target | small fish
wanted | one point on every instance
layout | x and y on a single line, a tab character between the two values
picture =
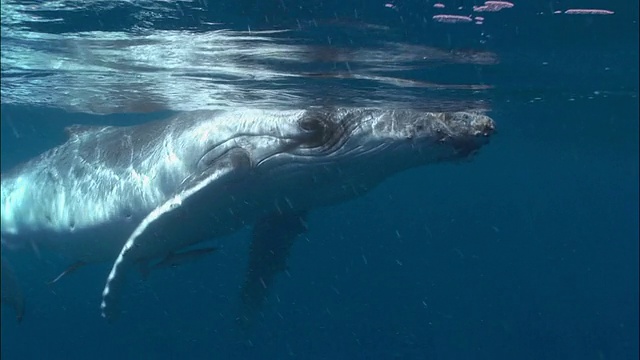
73	267
176	259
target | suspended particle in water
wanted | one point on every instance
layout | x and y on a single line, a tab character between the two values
493	6
588	12
499	4
452	19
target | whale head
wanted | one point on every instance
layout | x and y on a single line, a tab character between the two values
335	153
392	139
336	136
428	136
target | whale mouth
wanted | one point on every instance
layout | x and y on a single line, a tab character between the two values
481	135
484	126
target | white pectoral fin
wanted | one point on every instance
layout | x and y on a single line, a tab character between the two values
143	241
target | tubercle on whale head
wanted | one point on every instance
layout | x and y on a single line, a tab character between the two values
431	127
435	136
470	123
462	132
449	125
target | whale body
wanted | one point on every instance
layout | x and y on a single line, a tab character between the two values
131	195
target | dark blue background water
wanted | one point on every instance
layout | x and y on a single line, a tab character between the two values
530	251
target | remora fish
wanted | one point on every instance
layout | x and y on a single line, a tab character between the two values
140	193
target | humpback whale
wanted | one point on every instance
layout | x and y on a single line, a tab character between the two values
139	194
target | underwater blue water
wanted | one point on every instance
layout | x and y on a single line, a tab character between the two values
528	251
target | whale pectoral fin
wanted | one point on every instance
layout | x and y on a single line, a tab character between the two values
163	220
73	267
12	294
272	239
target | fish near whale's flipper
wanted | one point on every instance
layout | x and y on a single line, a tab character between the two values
272	239
152	237
73	267
12	294
175	259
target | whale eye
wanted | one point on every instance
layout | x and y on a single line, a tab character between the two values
316	130
312	124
